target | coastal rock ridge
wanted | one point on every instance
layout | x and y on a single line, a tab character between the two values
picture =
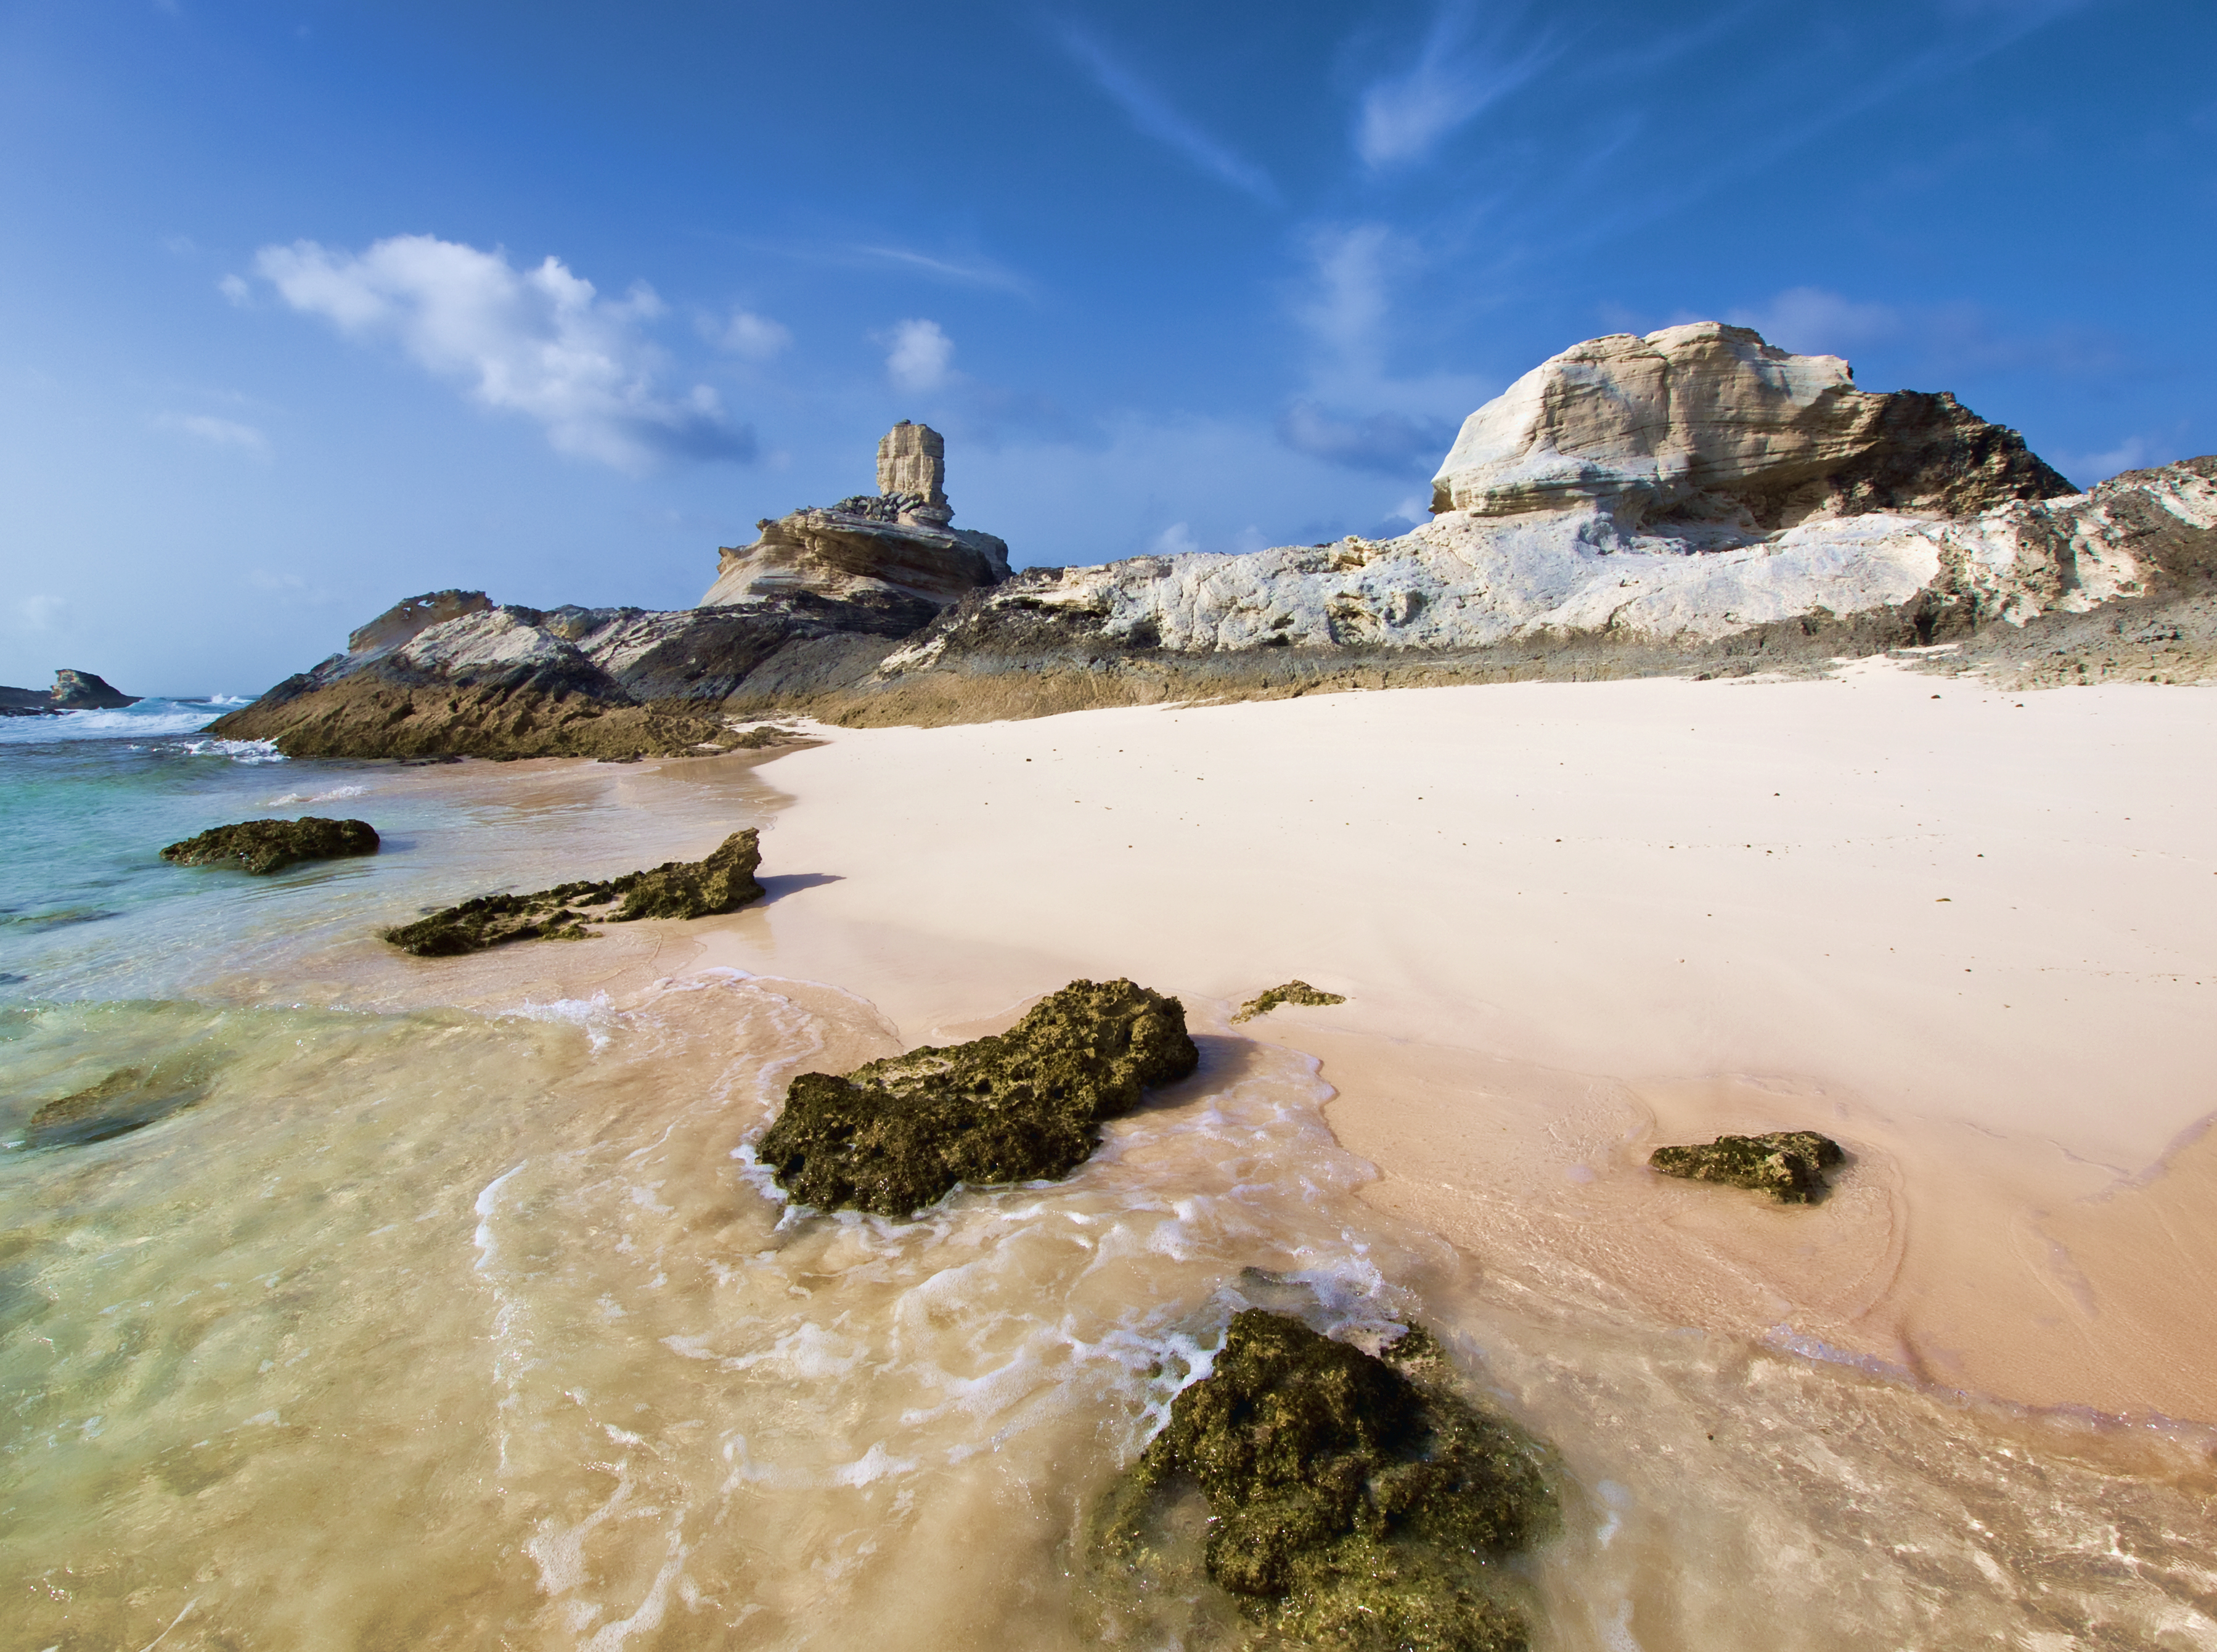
72	691
1695	501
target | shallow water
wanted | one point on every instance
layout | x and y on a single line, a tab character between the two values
480	1327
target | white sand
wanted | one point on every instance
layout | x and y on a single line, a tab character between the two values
1972	935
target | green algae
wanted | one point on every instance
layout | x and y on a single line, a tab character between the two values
127	1099
897	1135
266	846
1788	1165
1354	1501
723	882
1294	991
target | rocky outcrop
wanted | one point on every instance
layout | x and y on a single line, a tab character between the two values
1693	502
1355	1500
72	692
1708	422
1485	593
912	466
1788	1165
894	550
722	882
898	1134
265	846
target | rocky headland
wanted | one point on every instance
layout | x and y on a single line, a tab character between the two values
72	692
1694	502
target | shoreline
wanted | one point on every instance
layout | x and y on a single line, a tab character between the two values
1510	1051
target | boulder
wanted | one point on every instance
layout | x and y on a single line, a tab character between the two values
1355	1500
265	846
898	1134
722	882
1709	422
1788	1165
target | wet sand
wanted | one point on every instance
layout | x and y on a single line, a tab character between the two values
1971	934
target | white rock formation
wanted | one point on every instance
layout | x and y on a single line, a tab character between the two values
1469	581
1707	421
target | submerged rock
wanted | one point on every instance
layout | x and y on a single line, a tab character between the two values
128	1099
1788	1165
1294	991
722	882
1355	1501
898	1134
262	846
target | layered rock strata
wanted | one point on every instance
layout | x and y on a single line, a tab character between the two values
265	846
1706	423
1354	1501
722	880
898	1134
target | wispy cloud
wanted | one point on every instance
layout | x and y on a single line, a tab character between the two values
216	432
1358	413
918	355
541	342
1460	71
960	272
1150	111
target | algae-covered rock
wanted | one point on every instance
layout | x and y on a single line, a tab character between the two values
127	1099
1294	991
1355	1501
723	882
1788	1165
261	846
898	1134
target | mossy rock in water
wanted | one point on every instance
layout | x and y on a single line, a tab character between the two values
128	1099
1788	1165
260	847
724	882
1294	991
898	1134
1355	1501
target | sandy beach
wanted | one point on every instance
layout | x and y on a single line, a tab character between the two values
1967	932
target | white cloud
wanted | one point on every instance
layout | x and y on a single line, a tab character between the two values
2131	454
917	355
216	432
541	342
1454	80
40	613
1810	321
235	289
1151	112
756	337
1176	540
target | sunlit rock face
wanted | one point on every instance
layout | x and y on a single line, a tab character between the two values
1708	422
892	548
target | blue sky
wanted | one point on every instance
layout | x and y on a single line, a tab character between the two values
306	305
